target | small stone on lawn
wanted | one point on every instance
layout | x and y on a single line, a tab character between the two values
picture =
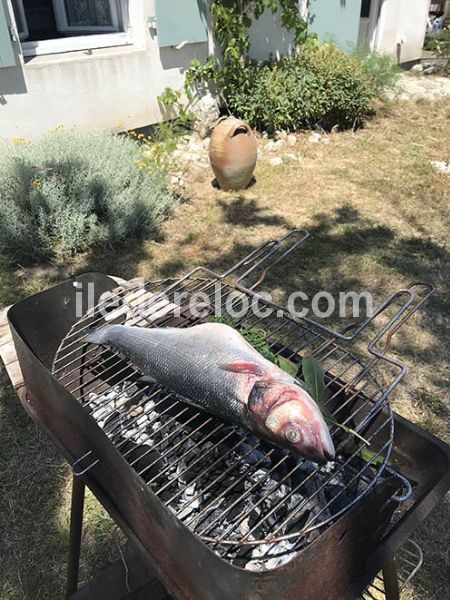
314	138
441	165
276	161
291	139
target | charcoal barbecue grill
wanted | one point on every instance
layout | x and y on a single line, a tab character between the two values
205	501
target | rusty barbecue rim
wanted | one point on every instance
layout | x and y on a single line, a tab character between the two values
356	398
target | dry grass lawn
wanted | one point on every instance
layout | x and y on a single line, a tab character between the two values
378	214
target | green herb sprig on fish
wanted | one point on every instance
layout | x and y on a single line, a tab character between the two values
315	380
257	337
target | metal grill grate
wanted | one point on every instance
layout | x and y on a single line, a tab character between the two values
253	503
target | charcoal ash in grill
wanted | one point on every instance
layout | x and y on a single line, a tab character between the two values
221	490
266	557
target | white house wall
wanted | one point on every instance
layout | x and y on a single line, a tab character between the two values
401	29
109	88
269	38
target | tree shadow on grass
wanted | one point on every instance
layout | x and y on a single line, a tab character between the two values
318	264
121	261
240	212
34	510
345	252
31	492
246	212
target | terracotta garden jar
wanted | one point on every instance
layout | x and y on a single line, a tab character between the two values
232	153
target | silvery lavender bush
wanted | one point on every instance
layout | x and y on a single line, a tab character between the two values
68	191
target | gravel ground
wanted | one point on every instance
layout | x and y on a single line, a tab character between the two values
411	87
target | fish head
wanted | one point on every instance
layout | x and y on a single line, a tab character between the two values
289	416
283	412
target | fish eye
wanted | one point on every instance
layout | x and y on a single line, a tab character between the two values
292	436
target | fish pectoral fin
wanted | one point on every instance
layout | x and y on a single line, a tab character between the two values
244	368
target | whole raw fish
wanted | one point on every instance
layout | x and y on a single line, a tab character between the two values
213	367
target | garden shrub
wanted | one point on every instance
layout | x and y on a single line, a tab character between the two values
439	43
380	70
68	191
320	85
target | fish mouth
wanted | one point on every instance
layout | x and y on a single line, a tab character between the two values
270	418
320	457
321	452
329	455
328	447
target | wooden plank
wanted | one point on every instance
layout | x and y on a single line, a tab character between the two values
15	374
8	352
5	334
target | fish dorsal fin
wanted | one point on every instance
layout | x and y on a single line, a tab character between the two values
243	368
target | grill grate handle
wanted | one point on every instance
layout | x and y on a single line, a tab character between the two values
77	468
269	250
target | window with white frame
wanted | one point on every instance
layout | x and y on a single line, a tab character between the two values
19	16
74	16
47	26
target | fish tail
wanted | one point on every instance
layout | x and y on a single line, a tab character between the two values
101	336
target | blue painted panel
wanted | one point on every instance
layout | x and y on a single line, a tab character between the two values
7	58
335	19
180	21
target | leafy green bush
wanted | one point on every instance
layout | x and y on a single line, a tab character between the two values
316	85
440	43
68	191
380	70
321	85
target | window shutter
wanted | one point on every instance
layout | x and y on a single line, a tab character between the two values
7	58
179	21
